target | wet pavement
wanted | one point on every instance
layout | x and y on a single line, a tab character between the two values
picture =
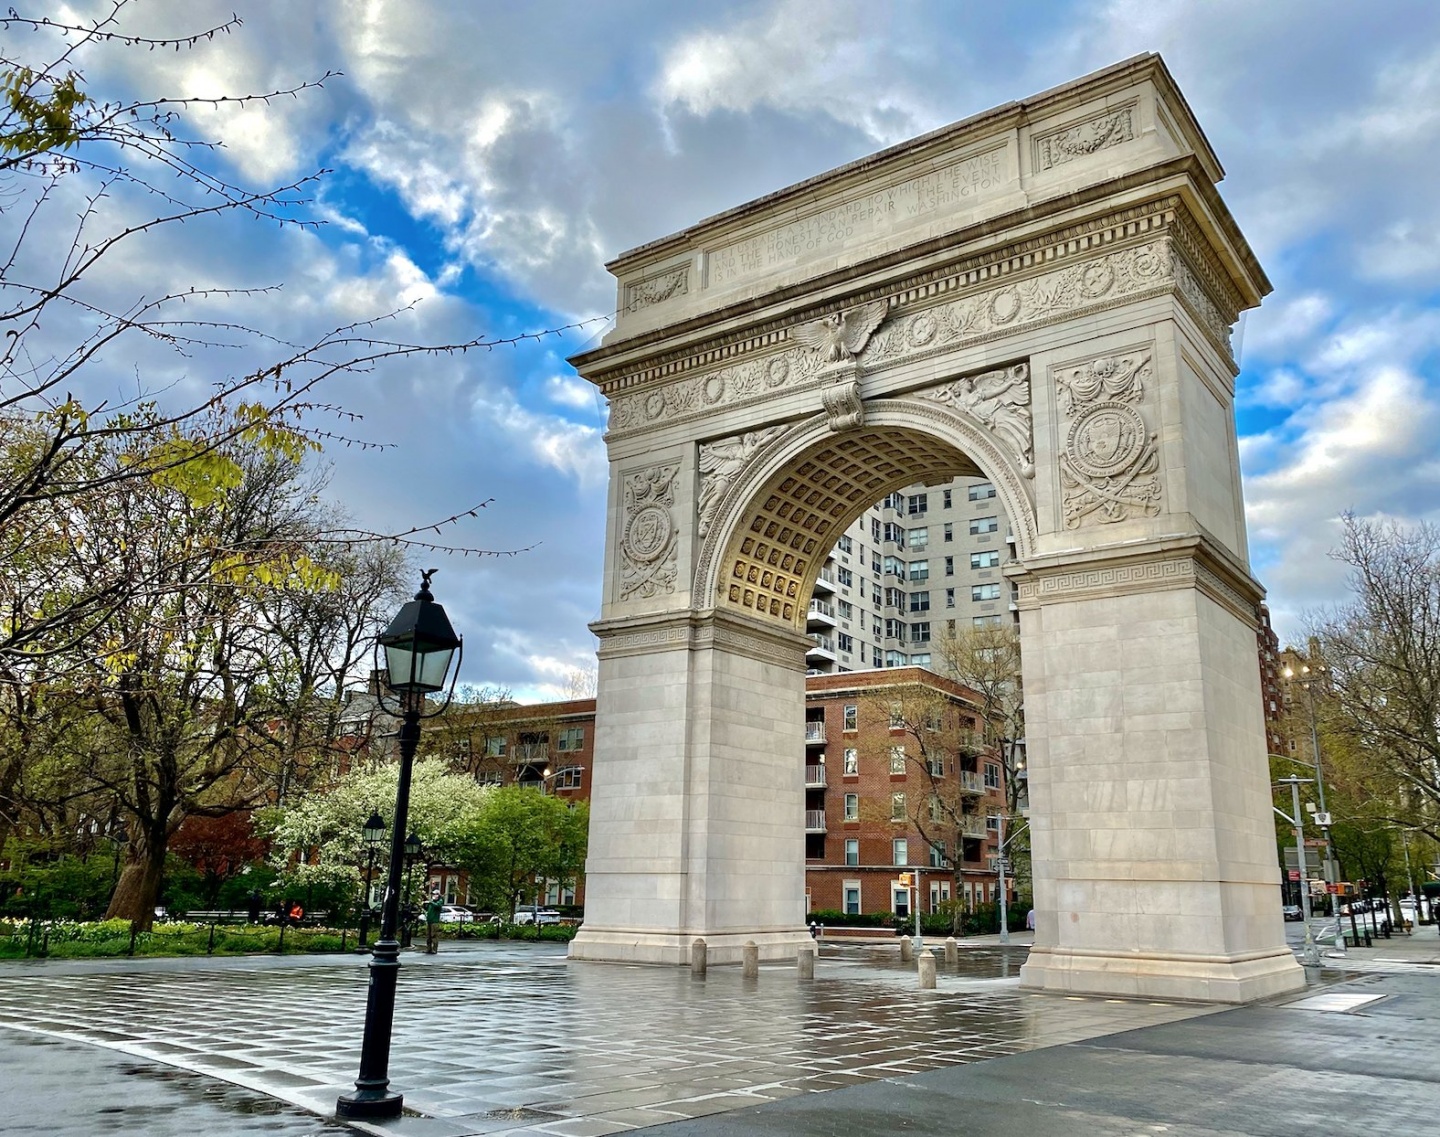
497	1038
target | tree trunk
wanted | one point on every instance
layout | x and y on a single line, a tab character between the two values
138	889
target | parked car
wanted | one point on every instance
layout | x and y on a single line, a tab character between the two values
529	914
1293	912
456	914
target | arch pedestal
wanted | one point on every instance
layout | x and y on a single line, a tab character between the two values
1042	295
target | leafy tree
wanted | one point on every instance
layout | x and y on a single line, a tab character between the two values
219	849
987	660
1380	715
523	836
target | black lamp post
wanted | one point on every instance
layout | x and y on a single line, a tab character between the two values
413	849
373	836
419	644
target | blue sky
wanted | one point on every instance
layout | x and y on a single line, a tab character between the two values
488	158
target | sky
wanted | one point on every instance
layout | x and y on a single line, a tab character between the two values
486	159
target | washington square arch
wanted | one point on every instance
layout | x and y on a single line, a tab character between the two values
1043	295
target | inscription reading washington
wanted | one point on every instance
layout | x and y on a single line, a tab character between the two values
957	184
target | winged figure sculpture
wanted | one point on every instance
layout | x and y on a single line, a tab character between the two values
842	335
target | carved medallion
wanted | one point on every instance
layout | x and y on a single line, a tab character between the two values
1109	468
650	537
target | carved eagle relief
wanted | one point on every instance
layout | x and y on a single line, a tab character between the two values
842	335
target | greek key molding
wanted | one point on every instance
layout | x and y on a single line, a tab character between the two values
1109	462
1112	128
650	539
1189	567
701	631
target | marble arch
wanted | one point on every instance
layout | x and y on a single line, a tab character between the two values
1042	293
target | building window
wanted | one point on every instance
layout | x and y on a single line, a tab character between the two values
982	491
949	531
897	806
992	776
852	717
919	570
852	807
992	822
894	598
990	558
847	642
875	563
919	602
847	610
990	621
900	851
949	598
984	524
900	902
852	898
495	747
918	539
895	534
920	632
845	577
874	528
895	567
897	759
949	566
569	778
922	659
852	760
852	850
895	501
984	592
844	544
572	738
877	660
917	503
894	629
947	496
896	659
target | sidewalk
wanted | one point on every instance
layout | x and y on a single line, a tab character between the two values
514	1040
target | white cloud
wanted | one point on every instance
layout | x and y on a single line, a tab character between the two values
572	391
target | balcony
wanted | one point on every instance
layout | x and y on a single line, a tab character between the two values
821	615
825	582
814	821
815	732
530	754
971	782
973	827
822	647
815	776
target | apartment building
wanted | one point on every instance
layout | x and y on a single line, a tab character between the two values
896	777
924	559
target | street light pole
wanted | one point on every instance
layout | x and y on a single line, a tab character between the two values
1311	952
418	647
373	835
1309	685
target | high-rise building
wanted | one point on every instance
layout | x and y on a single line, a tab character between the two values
924	560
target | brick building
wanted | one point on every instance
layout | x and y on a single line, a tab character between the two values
868	739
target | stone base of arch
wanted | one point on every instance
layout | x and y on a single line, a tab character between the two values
594	945
1196	978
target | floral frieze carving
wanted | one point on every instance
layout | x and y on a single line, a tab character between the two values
650	538
721	463
999	400
983	314
657	289
1109	129
1109	466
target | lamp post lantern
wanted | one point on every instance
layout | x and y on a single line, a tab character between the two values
418	646
372	835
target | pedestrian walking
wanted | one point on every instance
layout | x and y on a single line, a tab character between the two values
432	923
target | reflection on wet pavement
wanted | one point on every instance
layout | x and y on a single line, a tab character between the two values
515	1039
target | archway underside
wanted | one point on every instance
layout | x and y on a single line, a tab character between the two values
775	554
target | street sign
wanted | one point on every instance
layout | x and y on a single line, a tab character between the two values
1294	874
1322	820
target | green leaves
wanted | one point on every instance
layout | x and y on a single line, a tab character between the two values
42	112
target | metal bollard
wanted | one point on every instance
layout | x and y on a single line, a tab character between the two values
907	950
927	970
952	952
697	956
805	962
750	960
